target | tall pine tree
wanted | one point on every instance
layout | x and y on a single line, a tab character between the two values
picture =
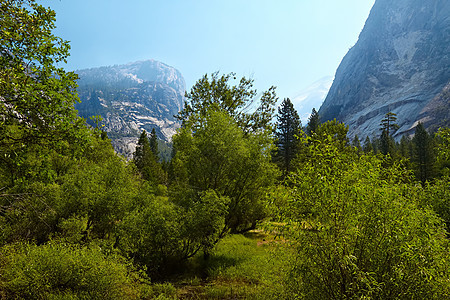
146	161
288	129
313	122
423	157
154	143
388	127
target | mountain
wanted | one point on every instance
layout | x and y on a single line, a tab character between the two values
400	64
311	97
131	98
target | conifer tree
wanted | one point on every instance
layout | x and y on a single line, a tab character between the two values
146	161
388	127
356	143
287	132
388	123
154	144
423	157
367	148
313	122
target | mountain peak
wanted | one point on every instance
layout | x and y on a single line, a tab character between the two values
132	97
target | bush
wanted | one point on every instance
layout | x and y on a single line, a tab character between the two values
360	232
63	271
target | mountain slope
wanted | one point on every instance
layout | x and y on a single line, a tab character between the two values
312	97
400	63
131	98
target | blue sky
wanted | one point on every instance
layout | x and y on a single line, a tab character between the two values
286	43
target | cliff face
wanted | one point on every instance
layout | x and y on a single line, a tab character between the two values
131	98
401	63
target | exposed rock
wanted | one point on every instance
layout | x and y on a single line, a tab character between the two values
401	63
312	97
131	98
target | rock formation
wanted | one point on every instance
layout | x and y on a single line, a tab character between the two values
400	64
131	98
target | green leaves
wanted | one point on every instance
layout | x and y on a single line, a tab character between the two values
364	232
238	101
218	156
59	270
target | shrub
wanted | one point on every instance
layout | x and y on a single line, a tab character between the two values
63	271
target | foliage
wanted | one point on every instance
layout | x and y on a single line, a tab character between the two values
313	122
443	151
36	97
360	232
388	124
218	156
288	130
59	270
146	159
159	234
423	156
154	144
239	101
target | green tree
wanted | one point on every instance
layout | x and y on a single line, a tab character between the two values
147	162
313	122
154	143
367	148
388	123
356	143
359	231
219	156
443	151
288	131
239	101
387	143
36	97
423	157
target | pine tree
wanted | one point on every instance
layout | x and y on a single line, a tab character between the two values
356	143
146	161
313	122
154	143
388	127
367	148
423	157
287	133
388	123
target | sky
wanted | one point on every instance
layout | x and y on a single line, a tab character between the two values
286	43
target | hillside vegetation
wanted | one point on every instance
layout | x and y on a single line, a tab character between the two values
247	208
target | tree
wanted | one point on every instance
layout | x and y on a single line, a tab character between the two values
220	157
387	143
146	161
388	127
367	148
313	122
356	143
423	157
154	143
358	229
238	101
388	123
36	97
288	131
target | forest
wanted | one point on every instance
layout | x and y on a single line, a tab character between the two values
251	205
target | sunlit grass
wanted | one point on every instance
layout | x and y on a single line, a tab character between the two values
244	266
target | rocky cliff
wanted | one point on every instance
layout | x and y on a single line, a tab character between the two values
401	63
131	98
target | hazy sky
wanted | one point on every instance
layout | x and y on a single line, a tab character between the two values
286	43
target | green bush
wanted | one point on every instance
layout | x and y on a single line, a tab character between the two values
359	231
63	271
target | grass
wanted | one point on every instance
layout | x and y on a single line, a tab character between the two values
247	266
